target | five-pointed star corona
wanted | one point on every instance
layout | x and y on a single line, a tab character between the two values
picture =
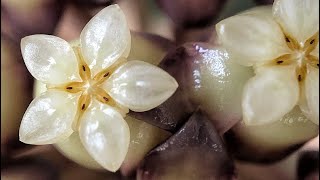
90	88
282	45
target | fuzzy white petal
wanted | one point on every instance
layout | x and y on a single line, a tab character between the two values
49	118
105	39
105	135
269	95
312	93
299	18
140	86
50	59
251	38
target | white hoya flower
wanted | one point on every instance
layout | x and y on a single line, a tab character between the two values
90	88
282	45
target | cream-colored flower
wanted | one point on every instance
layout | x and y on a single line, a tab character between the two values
90	88
282	45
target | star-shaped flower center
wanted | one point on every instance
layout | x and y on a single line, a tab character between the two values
281	43
300	55
90	88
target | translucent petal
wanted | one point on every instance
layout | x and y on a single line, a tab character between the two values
315	52
303	105
105	39
312	93
105	135
252	38
299	18
140	86
269	95
49	118
38	88
73	149
50	59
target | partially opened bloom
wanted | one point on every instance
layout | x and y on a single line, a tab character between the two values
282	45
90	88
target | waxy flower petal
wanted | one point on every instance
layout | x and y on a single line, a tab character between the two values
50	59
105	135
105	39
269	95
298	18
251	38
140	86
312	93
286	37
90	88
49	118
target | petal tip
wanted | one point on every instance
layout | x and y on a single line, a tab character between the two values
23	43
23	40
23	135
112	168
105	135
114	7
26	38
174	85
22	138
220	28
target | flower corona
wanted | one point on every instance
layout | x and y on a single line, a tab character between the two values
282	45
90	88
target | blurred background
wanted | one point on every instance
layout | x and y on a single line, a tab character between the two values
179	21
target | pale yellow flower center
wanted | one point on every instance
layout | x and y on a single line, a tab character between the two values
89	87
300	55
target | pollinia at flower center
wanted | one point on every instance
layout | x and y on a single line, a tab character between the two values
90	86
300	55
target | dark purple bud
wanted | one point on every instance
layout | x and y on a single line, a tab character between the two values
206	78
196	151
